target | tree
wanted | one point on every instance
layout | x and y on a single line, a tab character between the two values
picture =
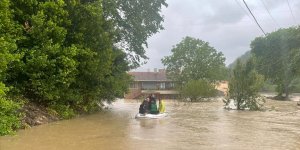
194	59
134	22
244	58
9	31
47	66
71	56
244	85
197	90
278	54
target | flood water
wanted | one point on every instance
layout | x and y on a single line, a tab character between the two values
188	127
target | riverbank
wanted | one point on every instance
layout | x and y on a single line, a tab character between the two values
37	115
34	114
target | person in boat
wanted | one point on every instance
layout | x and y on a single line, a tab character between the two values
161	106
153	106
144	107
152	98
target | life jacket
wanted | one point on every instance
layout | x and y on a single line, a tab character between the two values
162	107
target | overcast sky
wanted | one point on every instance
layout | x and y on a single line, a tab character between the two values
225	24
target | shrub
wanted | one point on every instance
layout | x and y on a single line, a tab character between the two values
244	85
10	117
197	90
64	111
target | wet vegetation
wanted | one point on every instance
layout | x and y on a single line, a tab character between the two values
195	67
244	85
278	56
70	56
273	60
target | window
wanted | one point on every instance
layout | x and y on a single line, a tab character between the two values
133	85
162	85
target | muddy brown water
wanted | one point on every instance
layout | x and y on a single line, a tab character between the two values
188	127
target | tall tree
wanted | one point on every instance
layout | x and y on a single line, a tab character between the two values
134	22
71	54
9	34
75	53
194	59
47	67
278	56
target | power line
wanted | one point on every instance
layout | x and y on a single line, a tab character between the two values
243	9
291	11
254	17
269	13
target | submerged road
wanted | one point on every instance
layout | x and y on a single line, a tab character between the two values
188	127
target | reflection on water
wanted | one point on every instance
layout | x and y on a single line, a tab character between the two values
198	126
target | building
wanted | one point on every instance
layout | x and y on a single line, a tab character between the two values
155	82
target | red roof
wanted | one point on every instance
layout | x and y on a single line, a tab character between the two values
149	76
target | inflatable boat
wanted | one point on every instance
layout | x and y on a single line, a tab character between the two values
151	116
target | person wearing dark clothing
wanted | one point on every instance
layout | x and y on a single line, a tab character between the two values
152	98
144	107
141	109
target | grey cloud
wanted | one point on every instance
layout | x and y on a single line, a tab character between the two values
224	12
222	23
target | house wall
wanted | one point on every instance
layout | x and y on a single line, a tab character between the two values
134	91
136	88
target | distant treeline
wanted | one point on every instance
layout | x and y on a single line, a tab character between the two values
277	57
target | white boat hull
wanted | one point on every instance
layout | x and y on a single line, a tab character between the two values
151	116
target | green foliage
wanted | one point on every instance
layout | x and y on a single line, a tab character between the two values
268	87
63	111
134	21
197	90
71	55
8	36
295	85
68	57
194	59
279	56
48	67
244	58
244	85
10	118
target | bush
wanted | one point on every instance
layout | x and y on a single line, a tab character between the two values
197	90
244	85
295	86
64	111
10	117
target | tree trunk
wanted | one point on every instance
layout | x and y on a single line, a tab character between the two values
193	99
286	91
280	90
238	104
